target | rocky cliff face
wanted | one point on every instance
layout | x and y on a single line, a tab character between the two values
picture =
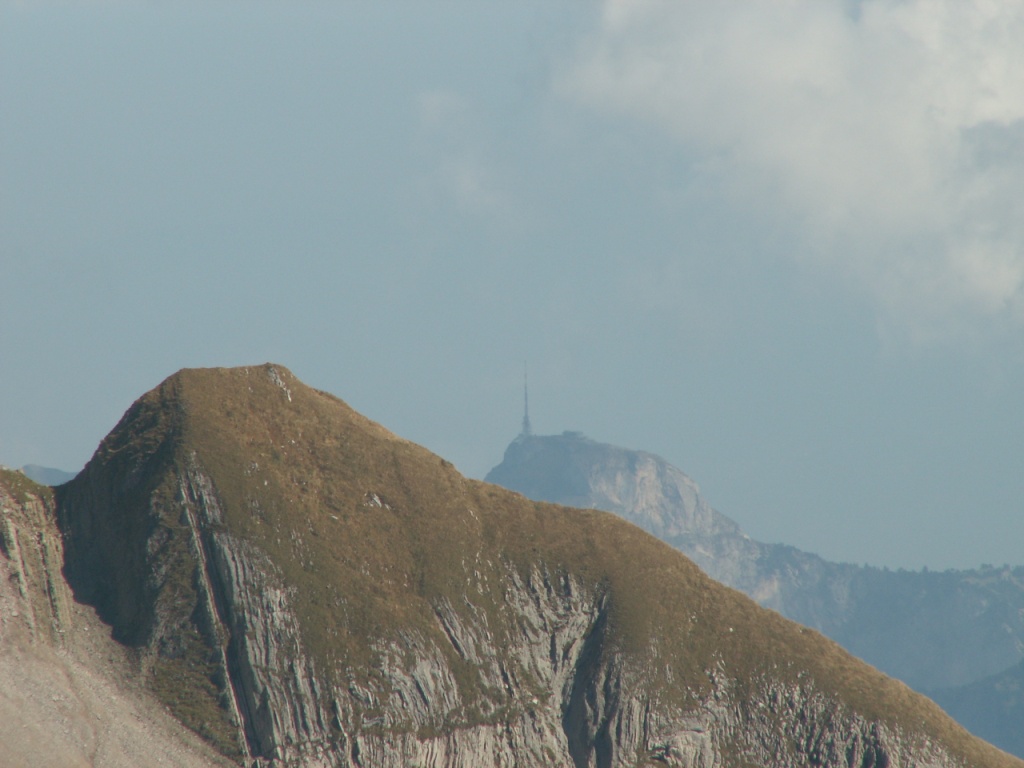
305	589
36	600
66	696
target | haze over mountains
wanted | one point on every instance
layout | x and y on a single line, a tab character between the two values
435	195
303	588
958	635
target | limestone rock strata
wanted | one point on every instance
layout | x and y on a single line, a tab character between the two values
565	700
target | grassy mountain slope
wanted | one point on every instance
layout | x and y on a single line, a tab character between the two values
258	542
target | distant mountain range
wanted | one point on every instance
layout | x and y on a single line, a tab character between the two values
993	708
301	588
958	635
47	475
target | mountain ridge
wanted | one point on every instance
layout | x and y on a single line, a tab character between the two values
303	588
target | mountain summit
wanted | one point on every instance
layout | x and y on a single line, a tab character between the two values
304	588
576	471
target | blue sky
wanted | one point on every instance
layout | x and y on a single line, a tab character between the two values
780	244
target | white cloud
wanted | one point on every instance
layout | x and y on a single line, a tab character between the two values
891	130
462	173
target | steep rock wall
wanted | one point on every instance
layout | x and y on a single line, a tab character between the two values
36	602
558	695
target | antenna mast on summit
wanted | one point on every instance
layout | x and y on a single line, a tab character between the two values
526	406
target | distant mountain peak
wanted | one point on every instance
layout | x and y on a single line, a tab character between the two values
933	630
47	475
574	470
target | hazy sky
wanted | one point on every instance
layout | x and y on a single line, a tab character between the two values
780	244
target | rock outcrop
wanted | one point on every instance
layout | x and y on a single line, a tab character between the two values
303	588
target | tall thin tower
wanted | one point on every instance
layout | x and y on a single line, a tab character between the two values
526	406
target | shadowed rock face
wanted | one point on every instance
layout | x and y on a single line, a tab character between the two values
303	588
